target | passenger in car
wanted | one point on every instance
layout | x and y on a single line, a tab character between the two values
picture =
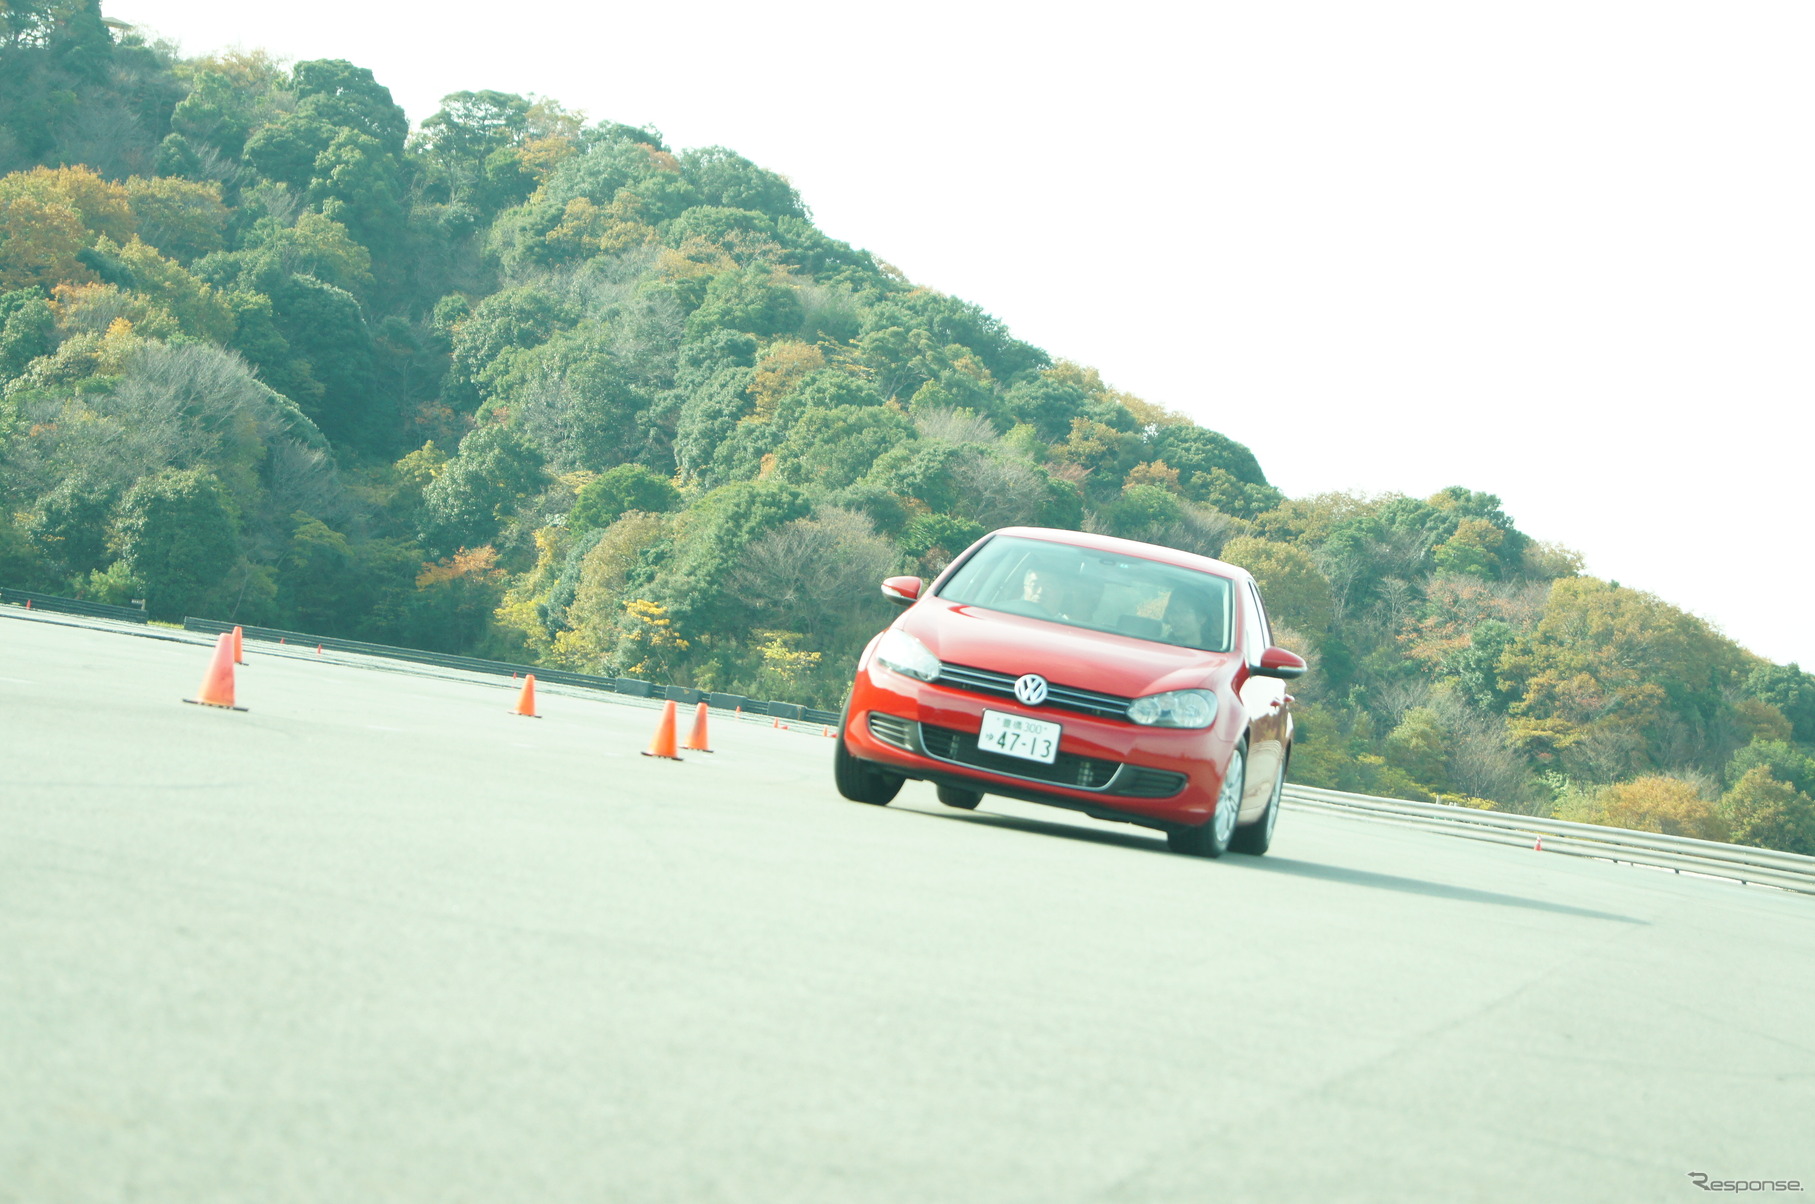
1187	619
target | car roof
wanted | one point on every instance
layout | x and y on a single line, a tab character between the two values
1128	547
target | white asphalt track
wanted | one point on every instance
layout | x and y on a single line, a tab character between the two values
376	939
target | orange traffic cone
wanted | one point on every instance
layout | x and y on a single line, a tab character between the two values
1539	846
239	645
663	744
696	741
217	685
526	701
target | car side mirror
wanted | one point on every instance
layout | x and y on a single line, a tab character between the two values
902	591
1277	662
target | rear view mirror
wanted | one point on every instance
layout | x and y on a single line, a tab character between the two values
902	591
1277	662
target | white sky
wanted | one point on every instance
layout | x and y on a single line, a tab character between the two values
1562	252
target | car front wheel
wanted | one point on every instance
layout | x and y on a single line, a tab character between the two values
1212	839
860	781
1256	838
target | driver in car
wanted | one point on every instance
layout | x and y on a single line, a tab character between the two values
1040	593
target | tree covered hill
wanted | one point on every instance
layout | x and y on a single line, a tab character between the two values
525	385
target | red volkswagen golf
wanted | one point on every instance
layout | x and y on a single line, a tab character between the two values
1126	680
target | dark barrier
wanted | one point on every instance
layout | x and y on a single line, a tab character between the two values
629	686
73	606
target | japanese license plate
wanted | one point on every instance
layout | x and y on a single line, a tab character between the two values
1019	736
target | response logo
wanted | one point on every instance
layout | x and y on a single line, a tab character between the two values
1707	1183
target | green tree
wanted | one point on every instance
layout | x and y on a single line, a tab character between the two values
919	469
315	576
614	492
358	182
932	541
1222	489
1475	548
1296	594
477	489
1047	405
286	149
1194	450
731	229
942	322
749	299
341	95
832	448
512	318
175	534
691	586
1141	512
182	219
1763	811
713	404
726	179
229	97
470	145
1503	553
1476	667
68	525
324	327
1419	746
1785	687
1105	455
20	564
1784	761
27	327
572	398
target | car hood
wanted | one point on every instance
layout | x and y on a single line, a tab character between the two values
1071	656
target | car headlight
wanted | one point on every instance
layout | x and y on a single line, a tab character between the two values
906	655
1175	708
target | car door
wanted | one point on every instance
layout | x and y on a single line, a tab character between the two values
1264	698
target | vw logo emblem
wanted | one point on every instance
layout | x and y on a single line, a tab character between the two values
1030	688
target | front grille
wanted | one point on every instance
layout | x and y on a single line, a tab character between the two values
1068	769
892	729
1067	698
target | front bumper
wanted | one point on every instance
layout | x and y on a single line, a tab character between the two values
1160	777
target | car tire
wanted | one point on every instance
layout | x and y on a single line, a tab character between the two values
1211	839
1256	838
860	781
957	796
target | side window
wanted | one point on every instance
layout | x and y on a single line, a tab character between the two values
1255	633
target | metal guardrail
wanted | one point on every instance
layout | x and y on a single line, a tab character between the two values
1682	854
629	686
72	606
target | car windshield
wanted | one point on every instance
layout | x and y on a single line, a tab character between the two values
1102	591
